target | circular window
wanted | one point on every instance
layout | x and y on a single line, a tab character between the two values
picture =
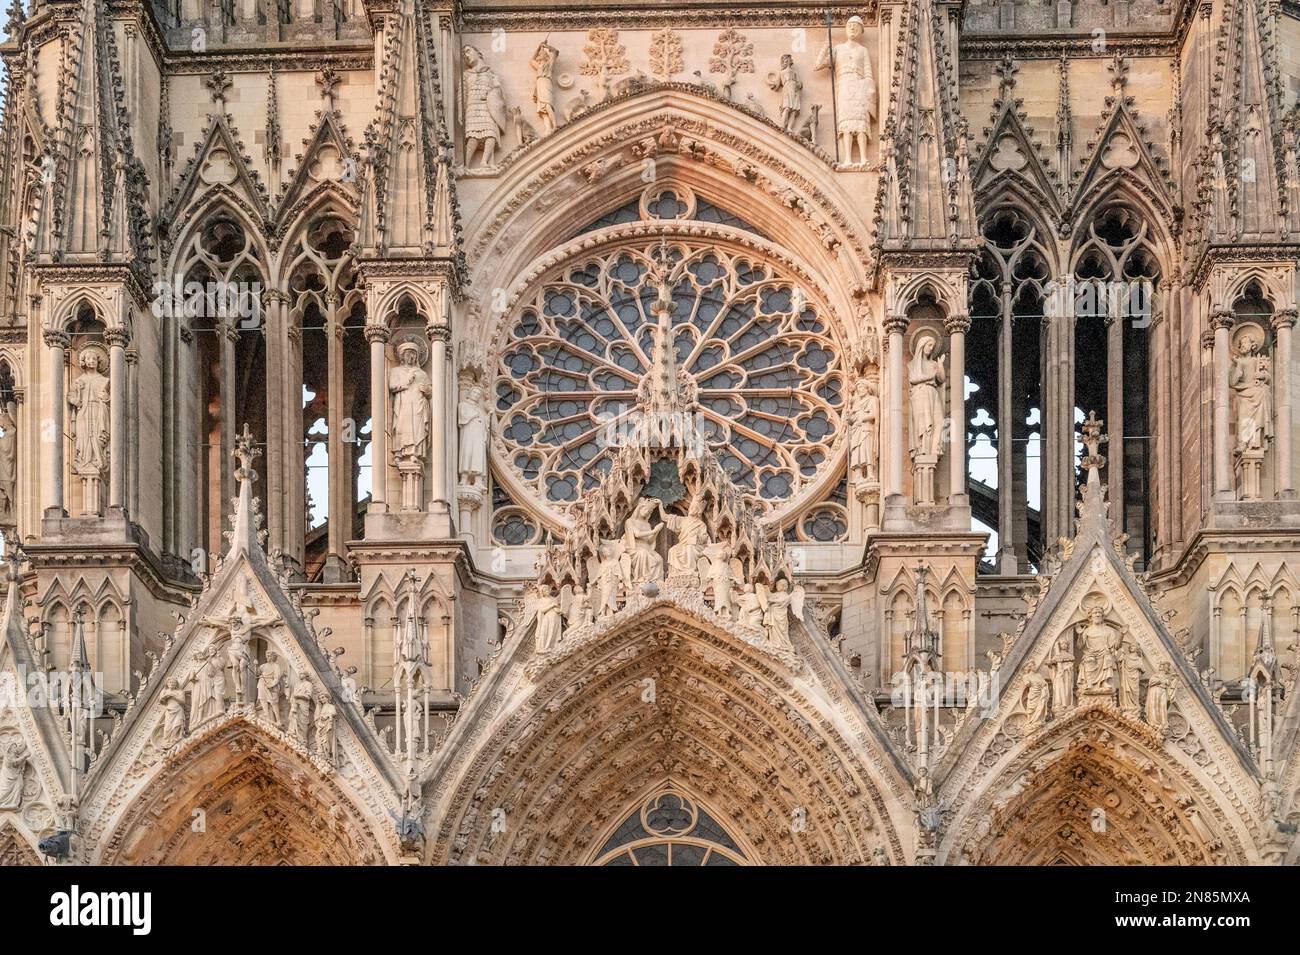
765	362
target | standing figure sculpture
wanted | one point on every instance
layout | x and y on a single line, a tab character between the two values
471	419
925	376
543	64
855	90
1159	694
410	389
8	466
484	108
864	428
787	82
550	622
1130	676
300	708
269	685
88	424
610	577
1251	380
750	605
721	578
1061	663
172	699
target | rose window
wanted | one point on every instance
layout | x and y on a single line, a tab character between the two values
759	348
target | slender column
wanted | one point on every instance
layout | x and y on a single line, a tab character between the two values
1158	418
957	326
439	337
277	436
133	430
1174	316
1115	408
377	336
1221	323
1283	322
57	342
895	325
228	330
117	339
1007	563
339	511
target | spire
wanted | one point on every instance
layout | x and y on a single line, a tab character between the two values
667	394
922	643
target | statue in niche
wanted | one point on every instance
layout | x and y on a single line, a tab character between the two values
550	622
721	575
12	766
610	576
786	81
543	64
1159	694
925	376
300	708
1100	643
471	419
1251	380
1130	677
864	431
484	111
88	421
1061	663
270	682
579	609
410	389
778	604
8	466
855	90
642	561
174	727
692	532
1034	700
239	654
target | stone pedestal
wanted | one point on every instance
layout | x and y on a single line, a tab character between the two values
412	475
923	478
1249	467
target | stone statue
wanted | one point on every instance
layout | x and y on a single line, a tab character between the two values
208	698
692	537
864	429
855	90
750	605
172	699
484	107
925	377
1033	701
326	742
270	681
300	708
1159	694
579	609
1130	676
1061	663
239	654
550	622
410	389
12	766
1252	382
1100	642
721	577
641	560
776	613
471	418
8	466
787	82
611	581
88	422
543	64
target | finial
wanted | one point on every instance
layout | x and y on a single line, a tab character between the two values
1093	438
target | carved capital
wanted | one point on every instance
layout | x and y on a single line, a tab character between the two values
1284	318
438	332
56	338
1222	318
377	333
957	324
895	324
117	337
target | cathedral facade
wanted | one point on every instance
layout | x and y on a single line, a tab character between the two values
522	432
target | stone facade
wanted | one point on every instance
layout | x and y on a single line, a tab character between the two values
597	434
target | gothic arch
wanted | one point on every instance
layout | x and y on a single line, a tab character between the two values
730	157
1096	788
15	849
581	740
235	795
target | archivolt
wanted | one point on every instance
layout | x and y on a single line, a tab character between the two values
236	796
1099	789
666	700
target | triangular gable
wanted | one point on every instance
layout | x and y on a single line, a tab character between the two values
327	164
1011	159
245	581
219	167
1120	151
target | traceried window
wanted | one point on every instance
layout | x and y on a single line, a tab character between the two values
760	349
669	829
